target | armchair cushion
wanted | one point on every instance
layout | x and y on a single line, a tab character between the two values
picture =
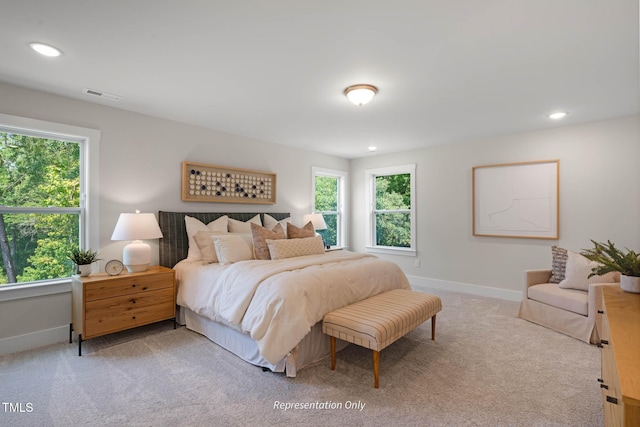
566	299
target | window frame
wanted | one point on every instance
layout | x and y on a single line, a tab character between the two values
89	140
371	175
341	213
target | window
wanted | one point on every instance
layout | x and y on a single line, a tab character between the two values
329	196
391	204
44	200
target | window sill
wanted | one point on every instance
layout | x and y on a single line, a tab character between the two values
389	250
34	289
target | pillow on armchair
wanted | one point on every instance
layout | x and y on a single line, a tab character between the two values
577	271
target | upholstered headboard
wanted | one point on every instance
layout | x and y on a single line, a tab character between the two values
174	244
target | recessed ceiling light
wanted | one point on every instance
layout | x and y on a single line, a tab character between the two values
558	115
360	94
372	148
45	49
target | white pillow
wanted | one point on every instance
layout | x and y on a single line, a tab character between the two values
193	226
236	226
270	223
232	248
281	249
577	271
205	244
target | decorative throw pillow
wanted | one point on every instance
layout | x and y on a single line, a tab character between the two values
232	248
236	226
260	234
281	249
577	271
270	223
558	264
294	232
194	225
206	246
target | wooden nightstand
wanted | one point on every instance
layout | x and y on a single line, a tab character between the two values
104	304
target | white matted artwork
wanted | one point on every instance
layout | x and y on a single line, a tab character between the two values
517	200
209	183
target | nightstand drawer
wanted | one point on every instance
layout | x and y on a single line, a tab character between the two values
126	286
114	314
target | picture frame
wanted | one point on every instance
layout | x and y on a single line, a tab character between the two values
520	200
203	182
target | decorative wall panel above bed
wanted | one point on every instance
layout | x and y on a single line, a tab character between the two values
174	245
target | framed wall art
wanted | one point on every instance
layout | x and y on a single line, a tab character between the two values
219	184
517	200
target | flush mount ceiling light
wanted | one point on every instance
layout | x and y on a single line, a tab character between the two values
372	148
45	49
360	94
559	115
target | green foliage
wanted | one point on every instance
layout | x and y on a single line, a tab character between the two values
38	172
327	202
83	256
393	192
612	259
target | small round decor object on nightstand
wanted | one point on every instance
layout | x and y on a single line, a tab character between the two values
113	267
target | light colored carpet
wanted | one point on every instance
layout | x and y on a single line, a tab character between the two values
486	368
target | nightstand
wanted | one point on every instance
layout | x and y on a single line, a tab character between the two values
104	304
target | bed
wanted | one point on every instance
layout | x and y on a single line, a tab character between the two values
268	312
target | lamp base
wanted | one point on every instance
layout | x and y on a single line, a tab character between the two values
136	256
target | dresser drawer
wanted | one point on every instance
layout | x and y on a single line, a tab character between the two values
126	286
118	313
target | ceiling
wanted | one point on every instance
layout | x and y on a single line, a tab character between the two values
447	71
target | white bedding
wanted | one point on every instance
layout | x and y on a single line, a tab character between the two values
277	302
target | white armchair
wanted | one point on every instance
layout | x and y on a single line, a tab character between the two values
569	311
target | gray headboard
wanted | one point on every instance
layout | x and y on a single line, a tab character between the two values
174	244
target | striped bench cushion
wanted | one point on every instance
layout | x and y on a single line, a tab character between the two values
379	321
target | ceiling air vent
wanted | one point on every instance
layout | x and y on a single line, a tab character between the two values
100	94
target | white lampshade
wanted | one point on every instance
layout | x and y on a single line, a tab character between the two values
136	256
317	220
360	94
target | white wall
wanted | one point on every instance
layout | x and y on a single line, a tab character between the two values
599	199
140	167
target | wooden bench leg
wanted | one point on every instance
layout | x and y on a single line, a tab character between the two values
433	328
376	368
333	353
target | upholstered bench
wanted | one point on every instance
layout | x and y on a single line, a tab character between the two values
379	321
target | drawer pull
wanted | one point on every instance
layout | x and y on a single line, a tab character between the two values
600	380
144	289
133	300
604	386
605	342
612	400
600	312
134	317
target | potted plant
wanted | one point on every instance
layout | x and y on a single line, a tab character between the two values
610	258
83	259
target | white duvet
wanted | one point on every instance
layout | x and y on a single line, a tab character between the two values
277	302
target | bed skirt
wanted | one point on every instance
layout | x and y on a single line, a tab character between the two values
313	347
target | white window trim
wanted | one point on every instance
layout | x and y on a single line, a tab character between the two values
89	234
342	198
370	175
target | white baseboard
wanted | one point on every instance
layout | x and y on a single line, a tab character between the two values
424	284
34	340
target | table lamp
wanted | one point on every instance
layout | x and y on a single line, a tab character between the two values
136	256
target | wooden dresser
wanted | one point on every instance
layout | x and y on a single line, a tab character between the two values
104	304
620	379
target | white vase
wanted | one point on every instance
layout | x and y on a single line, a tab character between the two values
630	284
84	269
